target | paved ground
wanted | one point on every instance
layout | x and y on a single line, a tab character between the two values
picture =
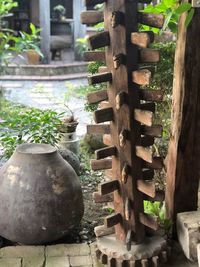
50	95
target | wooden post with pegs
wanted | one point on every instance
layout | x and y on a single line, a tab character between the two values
129	131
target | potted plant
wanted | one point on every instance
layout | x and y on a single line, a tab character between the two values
67	131
30	42
59	12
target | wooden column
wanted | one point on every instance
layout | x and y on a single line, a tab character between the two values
183	167
44	7
79	29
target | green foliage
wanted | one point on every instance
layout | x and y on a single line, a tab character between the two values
5	8
172	10
158	210
81	46
22	125
30	41
60	9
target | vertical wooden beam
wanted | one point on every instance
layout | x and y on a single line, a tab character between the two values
120	36
44	7
183	167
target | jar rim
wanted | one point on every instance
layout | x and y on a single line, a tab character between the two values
35	149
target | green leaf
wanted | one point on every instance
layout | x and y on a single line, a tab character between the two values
189	17
183	8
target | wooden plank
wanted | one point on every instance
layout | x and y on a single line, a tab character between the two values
147	174
90	3
157	163
109	174
121	99
98	198
152	20
103	69
150	106
94	56
100	78
127	210
103	115
118	60
102	164
108	187
141	77
97	96
155	130
107	140
147	187
112	220
104	259
128	240
149	221
144	263
99	40
155	261
126	171
148	55
98	129
160	196
142	39
147	141
91	17
144	153
106	152
102	230
144	117
151	95
104	104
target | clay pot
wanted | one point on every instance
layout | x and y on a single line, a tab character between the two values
33	57
41	197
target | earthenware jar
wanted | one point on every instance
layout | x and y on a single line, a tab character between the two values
41	197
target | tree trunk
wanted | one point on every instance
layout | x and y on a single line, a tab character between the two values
183	170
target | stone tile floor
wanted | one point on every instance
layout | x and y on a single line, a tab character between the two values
67	255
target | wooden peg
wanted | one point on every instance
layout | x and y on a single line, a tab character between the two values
147	141
141	77
127	211
147	174
152	20
107	140
117	19
155	261
108	187
98	129
120	100
105	152
97	96
119	60
98	198
155	130
148	55
103	69
151	95
103	231
112	262
144	117
160	196
91	17
90	3
144	153
102	164
147	187
149	221
123	137
157	163
94	56
142	39
128	240
150	106
144	263
99	40
125	173
103	115
113	220
100	78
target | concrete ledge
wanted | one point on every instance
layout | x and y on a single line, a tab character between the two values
188	230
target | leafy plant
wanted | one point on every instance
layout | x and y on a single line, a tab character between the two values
5	10
81	46
30	41
29	126
171	9
60	9
158	210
